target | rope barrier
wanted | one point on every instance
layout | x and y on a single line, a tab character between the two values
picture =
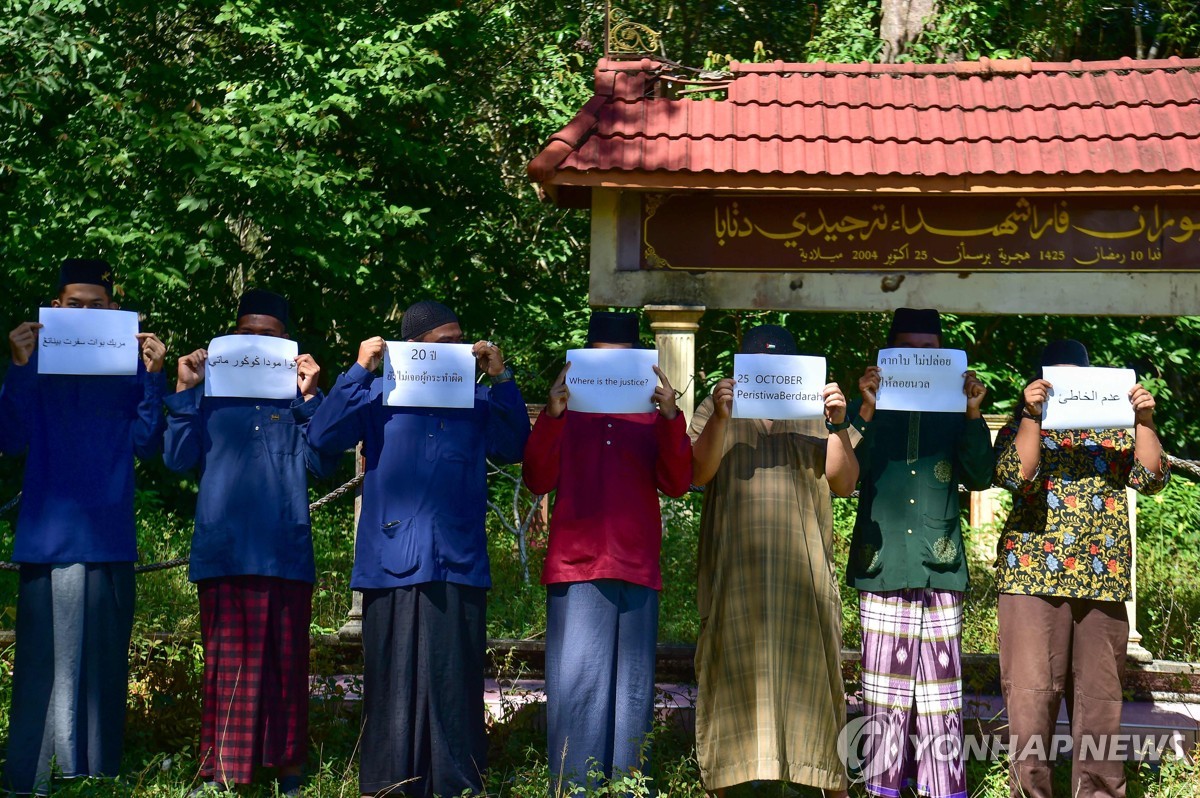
1190	467
334	494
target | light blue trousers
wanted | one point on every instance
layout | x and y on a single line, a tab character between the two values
601	639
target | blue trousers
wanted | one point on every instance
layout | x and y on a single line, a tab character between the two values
601	638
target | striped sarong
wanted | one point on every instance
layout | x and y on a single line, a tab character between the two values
911	660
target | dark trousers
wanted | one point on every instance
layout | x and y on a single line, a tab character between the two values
71	672
423	713
1053	648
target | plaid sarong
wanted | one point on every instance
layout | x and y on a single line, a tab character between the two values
911	659
255	634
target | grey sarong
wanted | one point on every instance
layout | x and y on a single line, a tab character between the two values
71	674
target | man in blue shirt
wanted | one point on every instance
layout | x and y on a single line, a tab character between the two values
421	560
76	543
252	557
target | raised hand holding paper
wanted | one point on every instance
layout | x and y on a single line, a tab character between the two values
87	341
612	380
925	380
251	366
428	375
778	386
1088	398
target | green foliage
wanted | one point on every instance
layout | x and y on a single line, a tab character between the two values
849	33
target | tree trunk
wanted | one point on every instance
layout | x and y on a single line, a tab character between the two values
901	23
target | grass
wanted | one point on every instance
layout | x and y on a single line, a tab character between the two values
165	670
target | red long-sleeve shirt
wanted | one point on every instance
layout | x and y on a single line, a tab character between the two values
608	470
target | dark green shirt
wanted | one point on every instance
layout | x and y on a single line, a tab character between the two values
907	533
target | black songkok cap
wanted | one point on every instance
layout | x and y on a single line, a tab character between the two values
423	316
91	272
257	302
608	327
923	321
769	339
1065	352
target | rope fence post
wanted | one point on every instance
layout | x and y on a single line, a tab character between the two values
351	631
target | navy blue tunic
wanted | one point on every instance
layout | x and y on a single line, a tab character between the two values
252	511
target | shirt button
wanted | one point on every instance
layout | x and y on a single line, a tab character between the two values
914	473
912	501
257	407
610	426
609	443
256	429
910	531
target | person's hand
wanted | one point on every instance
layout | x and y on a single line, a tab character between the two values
370	353
835	403
21	342
307	372
664	396
975	391
556	404
868	386
190	371
1035	397
723	398
1143	406
488	358
154	352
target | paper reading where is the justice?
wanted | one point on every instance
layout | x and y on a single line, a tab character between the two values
87	341
612	380
1088	398
925	380
251	366
428	375
778	386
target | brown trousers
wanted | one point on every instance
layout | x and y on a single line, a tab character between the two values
1053	648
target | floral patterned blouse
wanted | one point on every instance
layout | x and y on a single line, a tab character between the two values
1068	532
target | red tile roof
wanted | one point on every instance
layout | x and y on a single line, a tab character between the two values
800	121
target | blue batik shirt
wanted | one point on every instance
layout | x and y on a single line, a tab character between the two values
252	454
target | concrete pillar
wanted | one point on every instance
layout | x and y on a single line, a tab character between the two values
1135	651
351	630
985	504
675	329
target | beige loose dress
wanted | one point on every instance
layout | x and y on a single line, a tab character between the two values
768	661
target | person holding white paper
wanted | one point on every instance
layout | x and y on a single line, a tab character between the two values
602	572
768	661
421	559
75	542
908	562
1063	572
252	556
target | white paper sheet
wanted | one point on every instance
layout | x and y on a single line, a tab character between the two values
778	386
1088	398
428	375
926	380
612	380
87	341
251	366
